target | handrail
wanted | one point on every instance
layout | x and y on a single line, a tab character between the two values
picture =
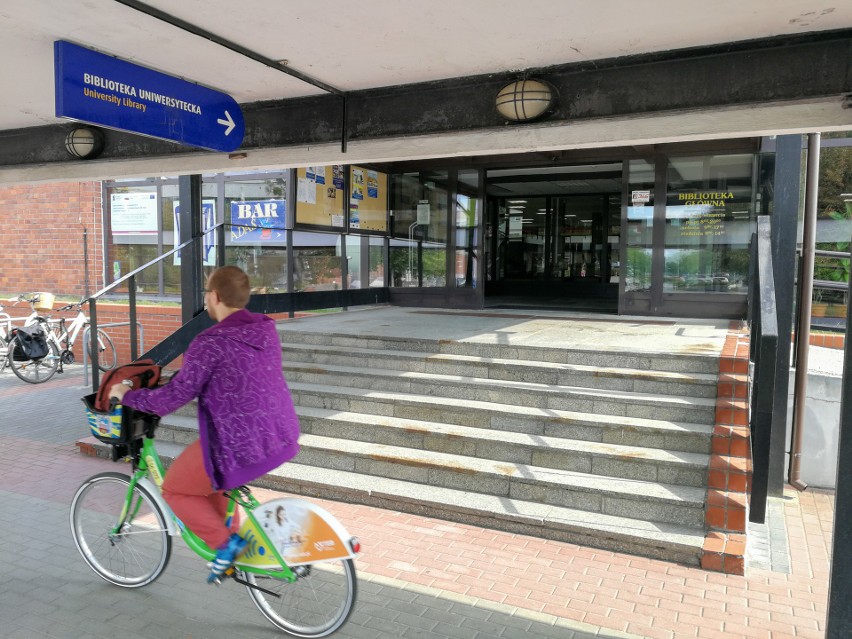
830	284
130	278
764	343
172	347
138	270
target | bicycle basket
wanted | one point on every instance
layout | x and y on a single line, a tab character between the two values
120	425
45	302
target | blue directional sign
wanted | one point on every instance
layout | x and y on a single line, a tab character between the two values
99	89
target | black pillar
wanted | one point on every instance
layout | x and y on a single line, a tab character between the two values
839	622
785	216
191	272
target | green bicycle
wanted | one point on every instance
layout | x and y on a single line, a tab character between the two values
298	565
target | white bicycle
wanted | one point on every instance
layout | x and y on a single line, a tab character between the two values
64	337
13	351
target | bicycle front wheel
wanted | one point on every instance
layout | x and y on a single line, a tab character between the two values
106	352
34	371
123	537
315	605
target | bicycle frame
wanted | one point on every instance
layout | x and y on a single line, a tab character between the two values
150	465
69	334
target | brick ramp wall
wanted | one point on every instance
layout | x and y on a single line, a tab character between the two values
726	510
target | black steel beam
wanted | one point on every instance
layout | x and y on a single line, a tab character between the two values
777	70
191	270
785	215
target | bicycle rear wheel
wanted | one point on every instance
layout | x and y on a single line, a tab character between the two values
131	551
106	352
34	371
315	605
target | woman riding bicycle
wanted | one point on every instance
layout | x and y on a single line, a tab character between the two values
246	420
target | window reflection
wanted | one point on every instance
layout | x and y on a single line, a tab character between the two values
418	254
467	228
640	222
708	223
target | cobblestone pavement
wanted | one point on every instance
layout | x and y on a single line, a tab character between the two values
419	577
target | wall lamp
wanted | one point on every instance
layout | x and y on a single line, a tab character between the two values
84	143
525	100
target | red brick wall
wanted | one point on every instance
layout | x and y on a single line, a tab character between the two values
41	240
158	322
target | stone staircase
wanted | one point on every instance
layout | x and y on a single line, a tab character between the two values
609	449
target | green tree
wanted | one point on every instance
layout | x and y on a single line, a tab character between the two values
833	202
835	180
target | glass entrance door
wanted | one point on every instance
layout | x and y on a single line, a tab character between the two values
586	238
553	235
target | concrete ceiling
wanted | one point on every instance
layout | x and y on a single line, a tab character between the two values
353	46
371	43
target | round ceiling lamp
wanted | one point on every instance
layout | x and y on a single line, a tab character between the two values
84	142
524	100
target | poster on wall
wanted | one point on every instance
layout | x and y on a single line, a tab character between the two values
357	184
337	176
258	221
368	200
208	221
133	213
317	200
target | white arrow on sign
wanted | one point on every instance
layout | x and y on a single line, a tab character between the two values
228	122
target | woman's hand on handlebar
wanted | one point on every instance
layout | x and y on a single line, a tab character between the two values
118	390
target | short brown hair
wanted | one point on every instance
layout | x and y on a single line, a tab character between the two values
231	284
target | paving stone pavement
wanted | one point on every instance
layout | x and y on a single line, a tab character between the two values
418	577
767	546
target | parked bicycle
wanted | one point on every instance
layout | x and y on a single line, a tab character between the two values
16	345
64	338
298	566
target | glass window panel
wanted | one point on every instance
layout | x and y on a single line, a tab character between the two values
640	221
709	213
579	248
468	217
833	230
317	261
419	204
353	259
266	266
129	257
377	262
371	273
423	194
523	223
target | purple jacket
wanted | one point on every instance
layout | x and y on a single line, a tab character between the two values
246	419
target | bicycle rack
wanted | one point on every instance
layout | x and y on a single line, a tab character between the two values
86	342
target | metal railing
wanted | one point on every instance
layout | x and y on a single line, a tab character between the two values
174	345
87	363
130	281
763	347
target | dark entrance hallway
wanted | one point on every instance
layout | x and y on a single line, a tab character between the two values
552	237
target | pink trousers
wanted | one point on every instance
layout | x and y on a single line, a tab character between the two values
188	491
